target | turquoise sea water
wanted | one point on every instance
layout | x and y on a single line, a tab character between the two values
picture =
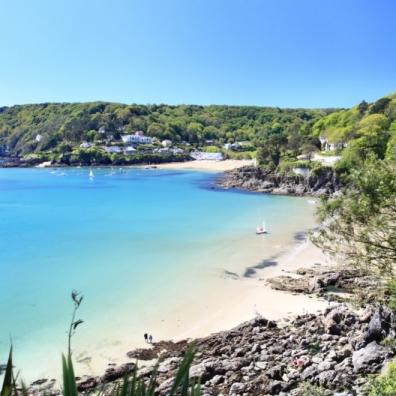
132	240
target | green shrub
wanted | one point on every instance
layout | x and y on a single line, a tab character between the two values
391	293
385	384
308	389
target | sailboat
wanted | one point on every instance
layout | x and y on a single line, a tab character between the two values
261	230
91	174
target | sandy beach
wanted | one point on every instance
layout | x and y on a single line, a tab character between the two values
229	301
215	166
241	298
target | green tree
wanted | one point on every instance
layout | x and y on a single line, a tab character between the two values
360	223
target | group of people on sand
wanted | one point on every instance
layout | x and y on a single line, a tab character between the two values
148	338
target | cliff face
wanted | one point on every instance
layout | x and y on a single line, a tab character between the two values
321	182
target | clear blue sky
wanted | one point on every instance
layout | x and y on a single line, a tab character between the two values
294	53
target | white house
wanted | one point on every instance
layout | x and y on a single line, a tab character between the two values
38	137
200	156
166	143
326	160
331	146
137	138
113	149
102	130
85	145
177	150
305	172
129	150
232	146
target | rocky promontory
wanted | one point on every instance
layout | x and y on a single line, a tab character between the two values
322	181
334	351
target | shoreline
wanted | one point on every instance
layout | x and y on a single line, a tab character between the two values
230	300
237	300
206	165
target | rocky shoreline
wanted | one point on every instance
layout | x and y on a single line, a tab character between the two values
250	178
335	350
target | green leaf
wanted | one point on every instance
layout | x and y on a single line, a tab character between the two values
8	383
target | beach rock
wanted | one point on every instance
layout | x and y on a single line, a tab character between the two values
237	388
290	284
370	358
379	325
87	383
143	354
326	377
40	381
113	373
323	182
332	321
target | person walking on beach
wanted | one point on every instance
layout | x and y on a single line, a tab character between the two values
146	337
150	339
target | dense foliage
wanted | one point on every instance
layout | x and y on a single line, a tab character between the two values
360	223
366	129
385	384
62	127
277	135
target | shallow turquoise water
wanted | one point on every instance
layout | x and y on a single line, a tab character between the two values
130	240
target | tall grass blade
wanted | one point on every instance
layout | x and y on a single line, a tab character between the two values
8	384
69	380
183	371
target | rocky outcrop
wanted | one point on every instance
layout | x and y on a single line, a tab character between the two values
370	358
263	357
320	182
321	279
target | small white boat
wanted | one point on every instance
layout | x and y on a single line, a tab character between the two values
261	230
91	174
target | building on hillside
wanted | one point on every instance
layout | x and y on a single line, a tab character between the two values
86	145
200	156
166	143
232	146
4	150
38	138
129	150
113	149
102	130
137	138
301	171
177	150
331	146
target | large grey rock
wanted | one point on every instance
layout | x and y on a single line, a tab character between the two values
379	325
326	377
332	322
113	373
237	387
370	358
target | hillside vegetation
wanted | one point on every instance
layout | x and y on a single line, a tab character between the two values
63	127
55	131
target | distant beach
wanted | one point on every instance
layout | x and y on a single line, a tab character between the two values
216	166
